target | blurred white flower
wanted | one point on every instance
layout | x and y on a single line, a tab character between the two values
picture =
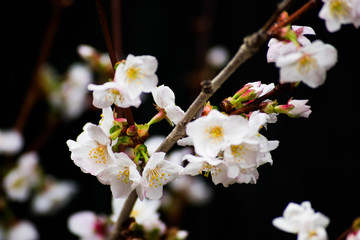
11	141
153	142
68	95
217	56
144	212
304	221
22	230
74	90
56	195
19	182
87	225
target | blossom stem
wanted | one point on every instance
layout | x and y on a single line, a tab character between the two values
116	27
296	15
124	215
111	51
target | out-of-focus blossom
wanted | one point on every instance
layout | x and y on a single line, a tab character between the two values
23	230
217	56
87	226
74	90
144	212
304	221
68	95
11	141
339	12
55	195
19	182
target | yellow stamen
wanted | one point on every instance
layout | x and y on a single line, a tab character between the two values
215	133
339	8
306	63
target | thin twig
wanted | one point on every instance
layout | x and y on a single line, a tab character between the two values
124	215
110	48
33	90
116	27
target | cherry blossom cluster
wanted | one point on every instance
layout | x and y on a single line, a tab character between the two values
100	149
26	181
27	178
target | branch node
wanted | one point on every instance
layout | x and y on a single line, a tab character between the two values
207	86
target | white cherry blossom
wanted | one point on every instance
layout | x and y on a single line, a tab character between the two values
137	75
304	221
122	176
206	165
92	150
338	12
309	64
164	98
112	93
278	48
300	108
157	173
214	132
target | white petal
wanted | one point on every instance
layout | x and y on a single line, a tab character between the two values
164	96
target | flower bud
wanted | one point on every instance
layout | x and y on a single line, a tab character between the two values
132	130
207	109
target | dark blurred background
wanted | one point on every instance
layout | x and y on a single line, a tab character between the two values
317	159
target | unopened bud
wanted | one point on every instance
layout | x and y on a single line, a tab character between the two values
131	131
207	109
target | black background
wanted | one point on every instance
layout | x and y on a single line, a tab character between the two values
317	159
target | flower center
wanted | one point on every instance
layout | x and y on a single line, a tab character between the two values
306	63
237	152
157	178
339	8
19	183
206	169
215	133
124	175
133	73
98	154
114	96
